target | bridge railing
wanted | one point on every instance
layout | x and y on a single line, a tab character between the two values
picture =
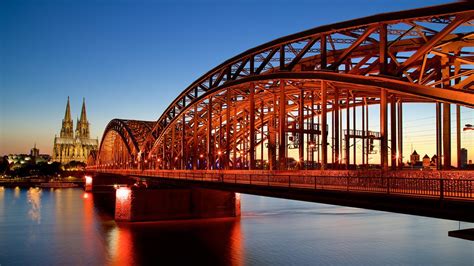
419	187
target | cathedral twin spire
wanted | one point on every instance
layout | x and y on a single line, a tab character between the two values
82	126
67	128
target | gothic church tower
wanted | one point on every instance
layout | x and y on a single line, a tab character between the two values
74	147
82	128
66	129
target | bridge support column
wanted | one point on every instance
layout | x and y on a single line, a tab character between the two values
183	146
400	134
251	165
447	135
336	128
439	143
383	130
195	152
210	150
458	136
393	132
301	142
133	205
282	127
347	139
324	136
272	136
362	109
354	126
227	131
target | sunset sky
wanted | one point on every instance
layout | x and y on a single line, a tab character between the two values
130	59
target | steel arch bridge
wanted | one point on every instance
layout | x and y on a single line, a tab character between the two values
303	94
121	142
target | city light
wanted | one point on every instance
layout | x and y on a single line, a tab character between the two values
88	180
123	193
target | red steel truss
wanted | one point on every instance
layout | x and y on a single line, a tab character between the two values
292	103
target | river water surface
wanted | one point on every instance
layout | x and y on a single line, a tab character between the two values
65	227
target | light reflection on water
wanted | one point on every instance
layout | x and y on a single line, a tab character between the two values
2	203
67	226
34	200
17	192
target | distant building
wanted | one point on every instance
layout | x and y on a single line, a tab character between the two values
434	160
414	158
36	157
426	161
34	152
70	146
21	159
463	158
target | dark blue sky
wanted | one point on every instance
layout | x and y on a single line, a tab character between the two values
130	59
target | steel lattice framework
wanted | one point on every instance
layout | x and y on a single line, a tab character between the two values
121	142
305	92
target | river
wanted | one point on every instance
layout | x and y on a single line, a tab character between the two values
65	227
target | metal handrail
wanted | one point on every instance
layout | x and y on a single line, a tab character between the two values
420	187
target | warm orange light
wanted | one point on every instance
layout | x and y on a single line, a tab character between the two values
201	155
88	180
219	152
123	193
86	195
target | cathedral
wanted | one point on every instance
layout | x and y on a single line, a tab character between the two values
70	145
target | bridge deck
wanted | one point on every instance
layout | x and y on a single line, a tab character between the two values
442	188
447	198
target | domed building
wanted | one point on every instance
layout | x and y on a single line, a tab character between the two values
70	145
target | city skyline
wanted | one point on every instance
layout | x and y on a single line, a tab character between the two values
59	49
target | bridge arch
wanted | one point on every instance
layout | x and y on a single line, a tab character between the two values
303	91
120	145
401	57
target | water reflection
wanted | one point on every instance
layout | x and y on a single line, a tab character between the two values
211	242
75	230
16	193
34	200
2	203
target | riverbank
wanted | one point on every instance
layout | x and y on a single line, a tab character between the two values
37	182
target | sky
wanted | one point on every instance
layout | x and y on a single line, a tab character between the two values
130	59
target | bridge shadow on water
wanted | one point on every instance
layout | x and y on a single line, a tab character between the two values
184	242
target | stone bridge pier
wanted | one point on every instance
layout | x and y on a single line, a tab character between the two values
136	202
